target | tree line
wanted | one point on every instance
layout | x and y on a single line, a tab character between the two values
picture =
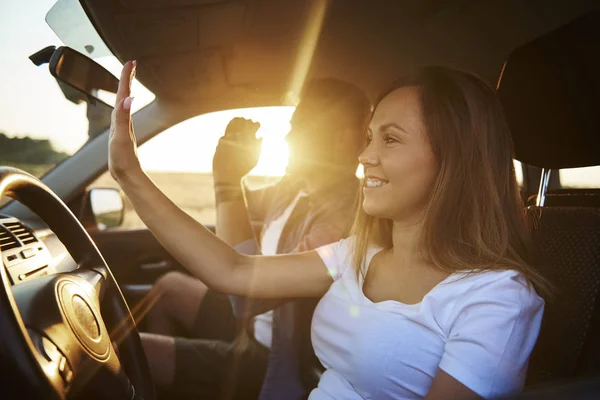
25	150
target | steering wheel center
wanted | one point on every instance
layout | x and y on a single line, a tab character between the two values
84	319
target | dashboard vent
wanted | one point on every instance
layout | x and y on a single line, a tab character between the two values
21	232
7	240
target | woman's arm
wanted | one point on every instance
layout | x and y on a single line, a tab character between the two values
214	262
195	247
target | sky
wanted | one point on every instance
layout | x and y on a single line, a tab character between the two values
32	104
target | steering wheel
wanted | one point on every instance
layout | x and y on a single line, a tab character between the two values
52	331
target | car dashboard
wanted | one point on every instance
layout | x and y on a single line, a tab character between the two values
28	253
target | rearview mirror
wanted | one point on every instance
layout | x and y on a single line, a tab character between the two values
85	75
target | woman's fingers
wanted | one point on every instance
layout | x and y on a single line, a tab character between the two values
122	144
122	111
127	74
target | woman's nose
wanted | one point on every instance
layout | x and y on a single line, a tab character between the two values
368	157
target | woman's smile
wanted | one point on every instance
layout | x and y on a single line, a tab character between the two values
372	182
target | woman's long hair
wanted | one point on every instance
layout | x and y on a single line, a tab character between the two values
475	219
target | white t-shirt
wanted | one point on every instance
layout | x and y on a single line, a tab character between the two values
263	323
479	329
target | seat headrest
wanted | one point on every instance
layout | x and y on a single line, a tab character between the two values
550	92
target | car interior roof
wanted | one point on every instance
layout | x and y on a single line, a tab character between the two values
223	54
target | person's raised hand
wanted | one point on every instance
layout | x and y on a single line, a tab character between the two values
237	153
122	147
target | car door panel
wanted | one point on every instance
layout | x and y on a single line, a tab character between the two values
136	259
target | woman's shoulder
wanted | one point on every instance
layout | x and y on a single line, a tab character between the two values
490	278
507	287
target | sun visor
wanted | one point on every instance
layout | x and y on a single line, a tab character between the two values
550	92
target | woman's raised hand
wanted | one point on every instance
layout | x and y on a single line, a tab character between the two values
122	148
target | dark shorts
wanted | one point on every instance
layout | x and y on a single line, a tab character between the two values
215	319
214	369
209	365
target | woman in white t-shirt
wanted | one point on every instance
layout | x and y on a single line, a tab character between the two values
434	294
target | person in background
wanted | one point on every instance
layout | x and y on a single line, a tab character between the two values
311	206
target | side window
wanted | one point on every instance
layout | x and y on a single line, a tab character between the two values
581	178
179	160
519	172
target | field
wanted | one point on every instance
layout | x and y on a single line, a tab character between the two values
193	192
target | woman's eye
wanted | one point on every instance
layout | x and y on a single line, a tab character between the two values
390	140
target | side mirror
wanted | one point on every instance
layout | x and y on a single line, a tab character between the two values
107	206
85	75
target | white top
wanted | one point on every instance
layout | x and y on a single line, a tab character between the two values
263	323
479	329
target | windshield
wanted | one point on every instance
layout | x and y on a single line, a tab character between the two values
39	125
